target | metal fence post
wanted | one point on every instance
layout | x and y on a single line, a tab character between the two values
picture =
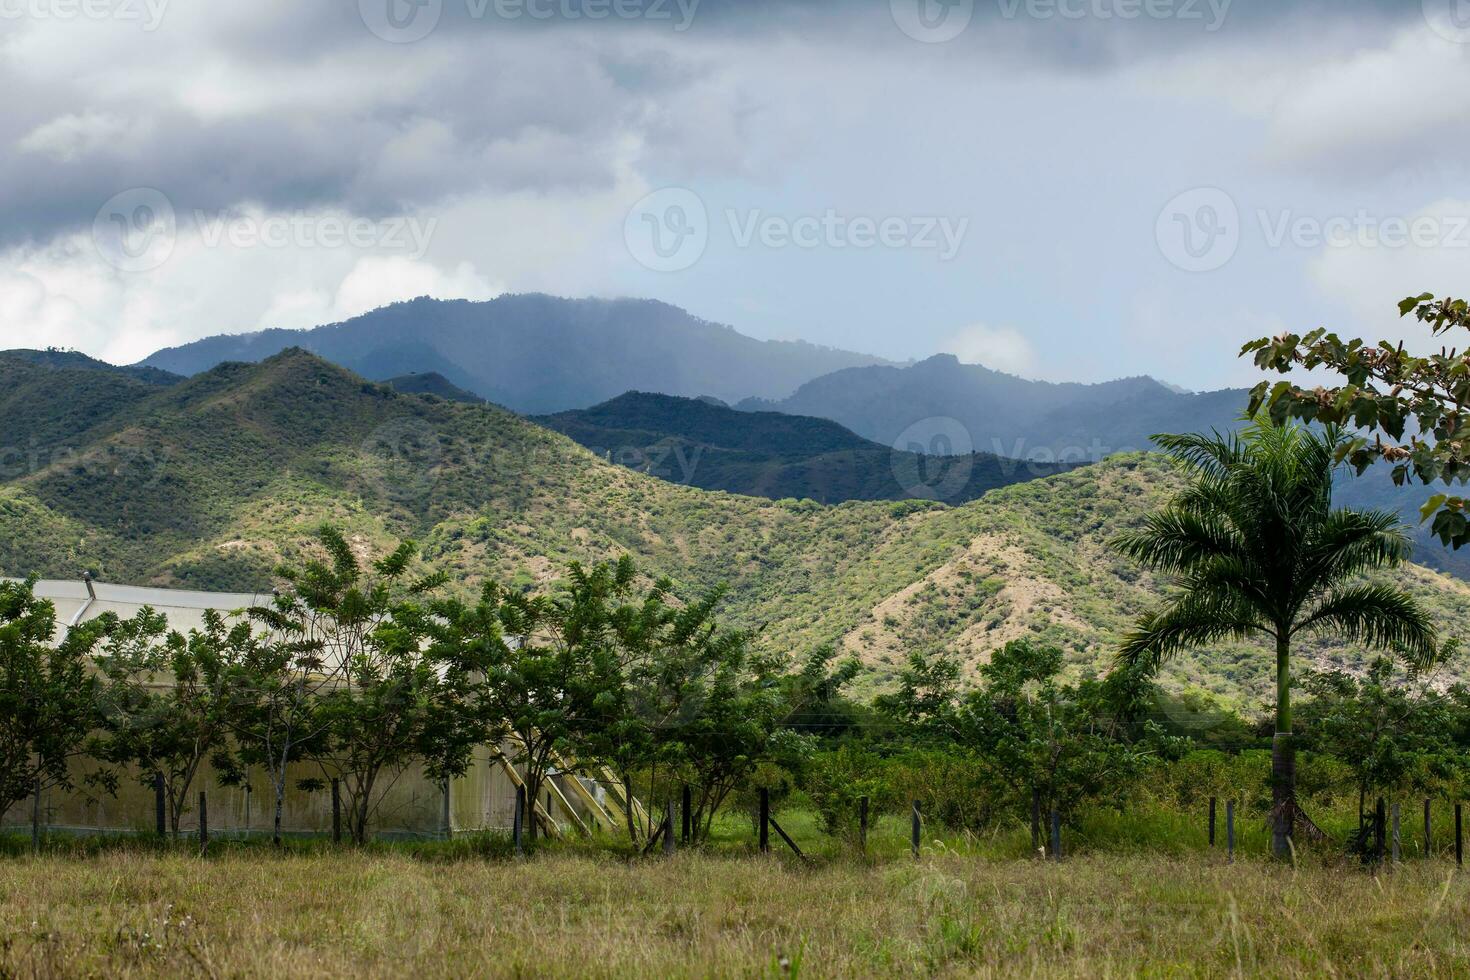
336	811
1459	839
517	824
916	830
1230	831
203	824
765	816
1428	841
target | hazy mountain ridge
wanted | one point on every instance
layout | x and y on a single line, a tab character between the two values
1006	414
432	383
535	353
770	454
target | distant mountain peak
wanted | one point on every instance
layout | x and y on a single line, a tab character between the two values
538	353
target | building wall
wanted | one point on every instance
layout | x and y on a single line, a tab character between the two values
409	804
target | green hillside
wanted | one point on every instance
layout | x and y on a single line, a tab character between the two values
769	454
210	482
432	383
77	361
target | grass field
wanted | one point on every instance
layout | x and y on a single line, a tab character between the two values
127	911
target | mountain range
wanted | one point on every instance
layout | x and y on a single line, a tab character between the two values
1006	415
704	443
537	354
210	481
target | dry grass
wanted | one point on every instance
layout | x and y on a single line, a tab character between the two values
255	914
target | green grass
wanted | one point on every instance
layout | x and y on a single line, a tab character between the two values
129	911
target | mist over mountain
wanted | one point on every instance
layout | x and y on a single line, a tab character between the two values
537	354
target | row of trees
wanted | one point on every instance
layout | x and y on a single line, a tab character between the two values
361	669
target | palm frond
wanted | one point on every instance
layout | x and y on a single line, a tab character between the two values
1194	619
1379	616
1177	539
1213	454
1348	542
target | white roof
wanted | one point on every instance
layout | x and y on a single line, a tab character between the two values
183	608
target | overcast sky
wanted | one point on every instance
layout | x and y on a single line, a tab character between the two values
1065	189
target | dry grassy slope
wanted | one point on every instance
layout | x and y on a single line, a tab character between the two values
1038	564
227	474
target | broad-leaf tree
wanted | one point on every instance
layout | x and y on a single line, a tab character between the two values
169	701
1389	728
1260	553
549	662
1414	409
48	694
379	699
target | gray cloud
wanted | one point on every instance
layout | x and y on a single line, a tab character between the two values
296	105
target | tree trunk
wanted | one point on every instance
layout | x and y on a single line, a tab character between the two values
533	787
1283	755
628	808
280	806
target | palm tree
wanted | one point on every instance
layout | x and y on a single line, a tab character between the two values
1260	552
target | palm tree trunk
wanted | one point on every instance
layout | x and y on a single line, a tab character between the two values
1283	755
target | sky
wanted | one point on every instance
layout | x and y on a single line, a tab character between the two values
1062	189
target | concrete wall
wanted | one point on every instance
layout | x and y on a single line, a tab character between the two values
410	805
